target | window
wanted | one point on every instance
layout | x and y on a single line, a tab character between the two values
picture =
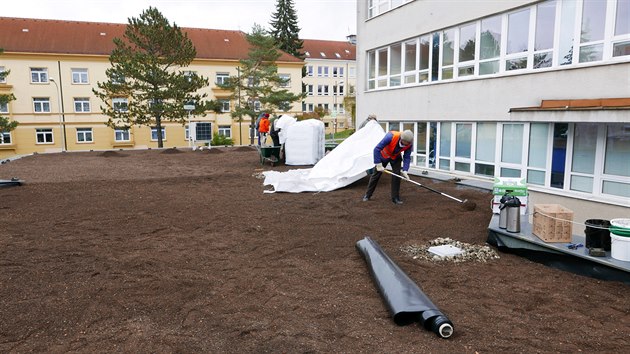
222	78
410	63
39	75
543	42
79	76
517	40
309	90
257	106
395	65
154	133
81	104
203	131
225	130
285	80
84	135
3	79
616	167
537	156
448	54
225	105
592	34
337	71
121	135
445	146
44	136
309	70
4	107
490	45
340	90
5	138
467	47
352	72
322	90
485	145
41	104
322	71
120	104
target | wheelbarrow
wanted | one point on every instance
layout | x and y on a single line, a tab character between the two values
269	154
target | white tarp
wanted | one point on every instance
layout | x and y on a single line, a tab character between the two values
342	166
304	143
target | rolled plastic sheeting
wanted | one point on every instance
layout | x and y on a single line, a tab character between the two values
404	299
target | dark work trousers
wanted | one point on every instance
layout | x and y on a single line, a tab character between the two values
275	138
395	180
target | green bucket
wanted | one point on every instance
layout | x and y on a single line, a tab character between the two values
620	227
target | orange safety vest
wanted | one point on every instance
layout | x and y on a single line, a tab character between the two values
388	151
264	125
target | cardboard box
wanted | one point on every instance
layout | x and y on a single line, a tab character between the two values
553	223
515	186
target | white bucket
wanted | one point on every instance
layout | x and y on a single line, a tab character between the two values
620	247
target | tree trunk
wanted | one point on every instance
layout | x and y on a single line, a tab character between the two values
158	126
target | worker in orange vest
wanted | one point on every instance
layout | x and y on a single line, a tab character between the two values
394	148
263	129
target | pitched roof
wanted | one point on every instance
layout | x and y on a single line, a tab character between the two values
331	50
26	35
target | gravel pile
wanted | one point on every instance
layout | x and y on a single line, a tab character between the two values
470	252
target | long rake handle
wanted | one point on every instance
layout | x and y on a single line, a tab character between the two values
423	186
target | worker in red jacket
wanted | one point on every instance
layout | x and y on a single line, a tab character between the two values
394	148
263	129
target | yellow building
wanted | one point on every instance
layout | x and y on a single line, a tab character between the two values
330	78
55	65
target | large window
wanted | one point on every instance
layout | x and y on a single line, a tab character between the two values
285	80
616	166
41	104
154	133
537	154
225	130
225	105
3	79
222	78
485	147
4	107
81	104
80	76
44	136
5	138
39	75
203	131
122	135
120	104
548	34
84	135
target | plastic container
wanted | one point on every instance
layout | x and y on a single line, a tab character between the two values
597	234
620	247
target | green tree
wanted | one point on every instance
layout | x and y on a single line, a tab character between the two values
5	124
147	70
258	86
285	28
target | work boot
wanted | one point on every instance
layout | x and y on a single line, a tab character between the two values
397	201
366	198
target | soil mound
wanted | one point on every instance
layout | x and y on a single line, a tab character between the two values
112	154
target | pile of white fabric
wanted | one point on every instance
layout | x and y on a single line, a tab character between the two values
342	166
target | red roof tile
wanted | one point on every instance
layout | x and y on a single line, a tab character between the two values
333	50
21	35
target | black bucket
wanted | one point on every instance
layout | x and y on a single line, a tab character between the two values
597	234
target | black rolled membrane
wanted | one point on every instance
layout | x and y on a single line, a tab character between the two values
404	299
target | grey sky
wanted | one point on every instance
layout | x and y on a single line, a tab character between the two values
318	19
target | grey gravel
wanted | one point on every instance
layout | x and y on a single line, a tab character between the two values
478	253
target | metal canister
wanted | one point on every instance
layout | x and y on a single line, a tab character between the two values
513	215
503	210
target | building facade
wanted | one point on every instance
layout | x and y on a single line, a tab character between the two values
538	90
330	79
54	65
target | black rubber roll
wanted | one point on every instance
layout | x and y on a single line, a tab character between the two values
403	298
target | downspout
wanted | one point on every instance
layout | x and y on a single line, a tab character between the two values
63	114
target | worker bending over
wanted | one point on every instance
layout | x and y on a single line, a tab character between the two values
389	150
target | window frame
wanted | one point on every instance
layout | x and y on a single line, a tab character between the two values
82	75
45	133
84	103
42	103
86	134
41	74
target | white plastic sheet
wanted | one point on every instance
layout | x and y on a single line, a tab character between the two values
342	166
283	123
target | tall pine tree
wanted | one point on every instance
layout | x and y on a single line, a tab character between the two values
285	28
5	124
257	87
147	70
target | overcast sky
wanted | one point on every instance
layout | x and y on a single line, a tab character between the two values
317	19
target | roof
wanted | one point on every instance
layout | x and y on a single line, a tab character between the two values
25	35
578	105
331	50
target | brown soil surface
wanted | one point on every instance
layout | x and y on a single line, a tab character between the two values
155	251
